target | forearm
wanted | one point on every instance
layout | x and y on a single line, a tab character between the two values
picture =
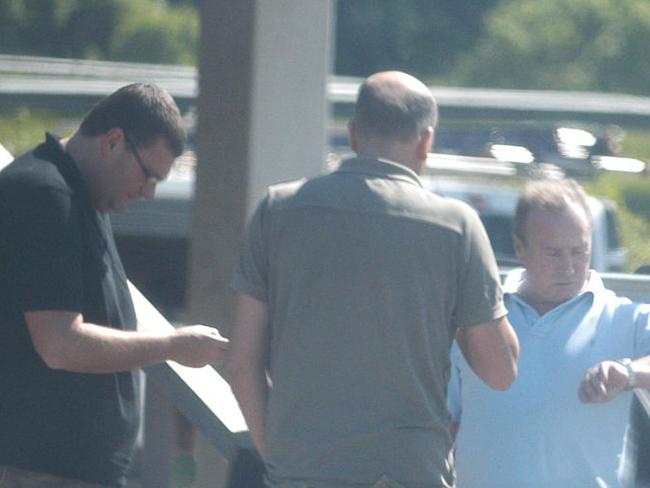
91	348
64	341
252	391
246	365
492	350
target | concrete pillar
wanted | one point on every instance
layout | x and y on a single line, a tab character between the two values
262	115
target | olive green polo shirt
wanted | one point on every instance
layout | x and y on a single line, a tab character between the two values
367	276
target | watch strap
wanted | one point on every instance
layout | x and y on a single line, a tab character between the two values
627	364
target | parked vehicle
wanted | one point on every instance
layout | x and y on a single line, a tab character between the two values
153	237
495	200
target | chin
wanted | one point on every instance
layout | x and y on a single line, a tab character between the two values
567	295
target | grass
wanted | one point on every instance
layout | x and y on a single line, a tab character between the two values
636	144
23	129
631	193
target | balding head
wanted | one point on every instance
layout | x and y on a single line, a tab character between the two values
394	118
394	105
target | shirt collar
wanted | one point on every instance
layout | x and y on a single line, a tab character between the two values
53	151
382	168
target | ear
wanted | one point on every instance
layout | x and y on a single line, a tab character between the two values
352	137
520	248
110	140
425	143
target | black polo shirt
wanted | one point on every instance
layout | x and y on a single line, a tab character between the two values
58	253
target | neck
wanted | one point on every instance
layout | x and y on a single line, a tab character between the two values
393	158
80	151
85	153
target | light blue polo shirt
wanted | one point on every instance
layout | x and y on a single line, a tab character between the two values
538	433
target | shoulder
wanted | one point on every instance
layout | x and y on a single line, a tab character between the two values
621	310
456	209
409	201
286	190
319	190
31	186
29	173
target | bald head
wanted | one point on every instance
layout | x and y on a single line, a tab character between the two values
394	106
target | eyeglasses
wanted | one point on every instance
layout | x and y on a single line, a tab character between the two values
148	174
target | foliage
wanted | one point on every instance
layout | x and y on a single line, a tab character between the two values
64	28
165	35
634	220
562	44
418	36
636	144
21	130
118	30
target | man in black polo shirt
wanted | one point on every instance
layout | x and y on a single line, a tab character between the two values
69	394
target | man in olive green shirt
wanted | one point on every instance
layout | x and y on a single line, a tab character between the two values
352	287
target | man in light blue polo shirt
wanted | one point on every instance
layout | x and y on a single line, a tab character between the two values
547	430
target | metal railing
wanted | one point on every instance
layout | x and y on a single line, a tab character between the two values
202	395
30	76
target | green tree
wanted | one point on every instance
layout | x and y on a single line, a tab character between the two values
157	34
562	44
418	36
121	30
63	28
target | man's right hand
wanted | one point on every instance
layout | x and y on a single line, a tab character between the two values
64	341
198	345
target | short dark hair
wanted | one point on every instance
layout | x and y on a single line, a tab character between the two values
393	114
552	195
144	112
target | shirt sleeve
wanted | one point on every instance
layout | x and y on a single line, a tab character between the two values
251	272
43	245
642	331
480	294
454	398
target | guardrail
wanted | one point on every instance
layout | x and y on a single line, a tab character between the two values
74	83
31	76
201	394
45	66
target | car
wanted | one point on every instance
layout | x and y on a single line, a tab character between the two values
496	204
153	237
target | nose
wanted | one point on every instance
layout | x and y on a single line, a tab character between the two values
567	264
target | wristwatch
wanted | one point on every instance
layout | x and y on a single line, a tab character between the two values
631	375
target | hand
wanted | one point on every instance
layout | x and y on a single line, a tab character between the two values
603	382
198	345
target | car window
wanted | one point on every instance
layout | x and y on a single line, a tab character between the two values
499	230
